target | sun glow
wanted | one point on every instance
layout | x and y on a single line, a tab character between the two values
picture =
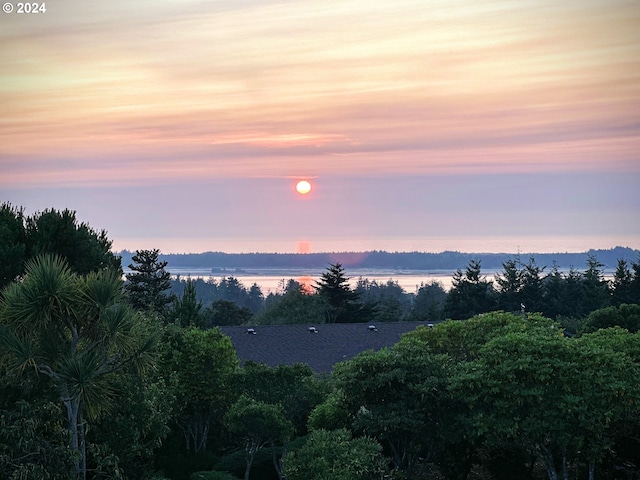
303	187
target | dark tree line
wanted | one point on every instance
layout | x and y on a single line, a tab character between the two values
377	259
567	296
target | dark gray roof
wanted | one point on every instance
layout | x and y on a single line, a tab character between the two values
289	344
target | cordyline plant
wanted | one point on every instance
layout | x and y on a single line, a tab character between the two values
76	331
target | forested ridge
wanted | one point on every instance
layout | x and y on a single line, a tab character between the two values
533	373
381	259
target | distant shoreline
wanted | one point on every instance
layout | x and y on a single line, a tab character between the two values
219	262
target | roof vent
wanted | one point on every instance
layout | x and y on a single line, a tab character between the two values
251	331
372	328
313	330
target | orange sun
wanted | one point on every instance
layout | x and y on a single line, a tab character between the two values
303	187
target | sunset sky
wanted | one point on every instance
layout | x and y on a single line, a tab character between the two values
422	125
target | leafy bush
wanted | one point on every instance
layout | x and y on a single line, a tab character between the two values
335	455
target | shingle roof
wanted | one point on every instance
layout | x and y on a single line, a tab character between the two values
331	343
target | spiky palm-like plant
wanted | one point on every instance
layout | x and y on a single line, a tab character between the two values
76	331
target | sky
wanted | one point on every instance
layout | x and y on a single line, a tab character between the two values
424	125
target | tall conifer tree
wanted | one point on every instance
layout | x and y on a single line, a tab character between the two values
148	282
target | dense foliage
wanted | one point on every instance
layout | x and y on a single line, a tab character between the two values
97	381
75	334
55	232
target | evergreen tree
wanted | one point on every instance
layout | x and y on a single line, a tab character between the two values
290	285
621	285
595	286
634	288
224	312
532	282
342	303
186	309
255	299
232	290
291	308
553	293
574	295
148	282
388	302
470	294
520	286
509	286
429	301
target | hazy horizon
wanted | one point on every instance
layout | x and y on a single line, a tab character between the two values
427	126
522	246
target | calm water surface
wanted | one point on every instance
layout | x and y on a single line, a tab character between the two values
274	280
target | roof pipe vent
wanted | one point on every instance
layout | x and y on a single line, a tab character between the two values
251	331
372	328
313	330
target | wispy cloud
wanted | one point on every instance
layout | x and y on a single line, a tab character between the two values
158	91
